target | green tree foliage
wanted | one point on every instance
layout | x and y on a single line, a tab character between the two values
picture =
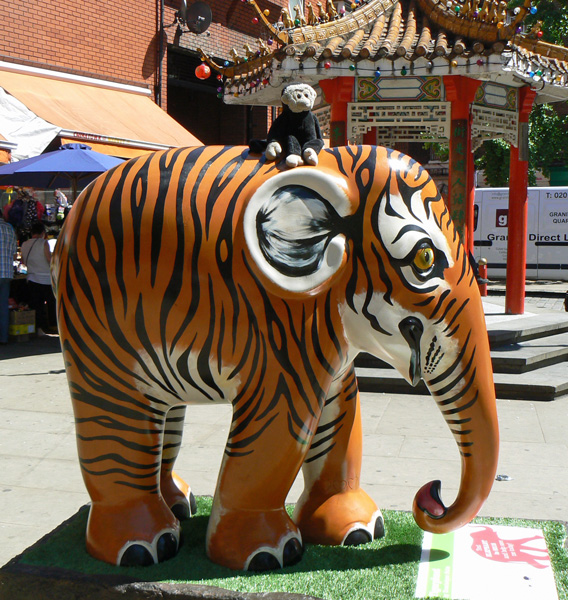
494	160
554	18
548	138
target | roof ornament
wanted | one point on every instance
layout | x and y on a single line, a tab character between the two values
484	20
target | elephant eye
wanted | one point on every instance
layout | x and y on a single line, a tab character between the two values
424	258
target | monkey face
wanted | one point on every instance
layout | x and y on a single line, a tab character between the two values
298	97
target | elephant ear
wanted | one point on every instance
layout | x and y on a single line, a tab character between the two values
293	228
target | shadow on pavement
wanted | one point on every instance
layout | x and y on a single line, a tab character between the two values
34	347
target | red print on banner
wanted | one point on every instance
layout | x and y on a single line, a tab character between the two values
489	545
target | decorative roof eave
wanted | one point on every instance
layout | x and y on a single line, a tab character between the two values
547	74
312	71
541	48
361	17
471	28
241	70
397	42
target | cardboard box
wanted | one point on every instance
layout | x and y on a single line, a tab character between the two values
22	325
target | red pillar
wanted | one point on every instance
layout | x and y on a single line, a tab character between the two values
518	203
460	91
338	92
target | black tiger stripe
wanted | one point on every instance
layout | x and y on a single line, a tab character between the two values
461	409
461	376
454	365
457	314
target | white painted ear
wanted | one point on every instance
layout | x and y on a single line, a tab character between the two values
293	228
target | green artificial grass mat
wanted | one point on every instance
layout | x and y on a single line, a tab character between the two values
384	569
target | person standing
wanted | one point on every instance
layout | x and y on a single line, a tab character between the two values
8	247
36	255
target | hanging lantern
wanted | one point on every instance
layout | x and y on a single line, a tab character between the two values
327	64
539	34
255	20
266	13
454	64
202	71
479	62
352	67
219	77
403	71
533	10
270	41
378	73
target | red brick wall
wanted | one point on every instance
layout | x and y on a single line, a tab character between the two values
117	40
108	38
232	26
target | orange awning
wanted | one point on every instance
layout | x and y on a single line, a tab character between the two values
115	117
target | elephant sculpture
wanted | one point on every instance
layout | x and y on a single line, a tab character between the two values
205	275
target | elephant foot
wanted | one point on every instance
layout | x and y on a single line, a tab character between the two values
363	534
133	534
178	496
349	518
253	540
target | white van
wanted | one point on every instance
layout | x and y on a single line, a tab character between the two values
547	231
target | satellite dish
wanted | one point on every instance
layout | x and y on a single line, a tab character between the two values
196	17
181	14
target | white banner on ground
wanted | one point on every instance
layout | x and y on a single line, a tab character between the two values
486	562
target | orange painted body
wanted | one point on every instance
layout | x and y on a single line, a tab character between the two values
204	275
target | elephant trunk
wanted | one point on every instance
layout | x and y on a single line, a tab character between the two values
465	393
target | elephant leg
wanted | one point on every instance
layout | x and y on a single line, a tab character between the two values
119	439
249	527
333	509
174	489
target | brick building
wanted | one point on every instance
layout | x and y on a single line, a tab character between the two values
97	71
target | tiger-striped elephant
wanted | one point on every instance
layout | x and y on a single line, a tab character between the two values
205	275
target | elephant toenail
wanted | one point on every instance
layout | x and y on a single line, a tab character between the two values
192	504
136	556
379	528
292	552
264	561
357	537
167	546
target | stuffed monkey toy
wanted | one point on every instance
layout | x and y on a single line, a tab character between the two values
296	133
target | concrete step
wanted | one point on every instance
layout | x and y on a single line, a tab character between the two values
511	358
544	384
530	355
512	330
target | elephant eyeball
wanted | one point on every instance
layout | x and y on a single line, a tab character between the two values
424	258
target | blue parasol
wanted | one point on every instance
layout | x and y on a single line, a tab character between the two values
67	167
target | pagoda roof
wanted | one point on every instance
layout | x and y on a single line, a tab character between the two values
477	39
